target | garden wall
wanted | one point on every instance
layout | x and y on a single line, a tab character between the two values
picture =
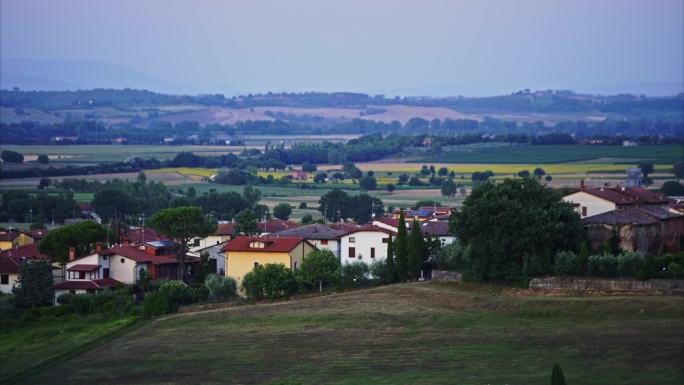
597	284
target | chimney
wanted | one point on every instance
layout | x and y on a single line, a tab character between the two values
98	246
72	253
126	242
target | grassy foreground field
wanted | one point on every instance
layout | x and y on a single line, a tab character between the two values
422	333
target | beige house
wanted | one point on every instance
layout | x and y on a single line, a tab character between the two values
245	253
590	201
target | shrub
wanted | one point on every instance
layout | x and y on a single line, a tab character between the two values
450	257
354	274
157	303
629	263
378	270
269	281
64	298
566	263
178	292
7	306
220	288
603	265
81	303
112	303
200	293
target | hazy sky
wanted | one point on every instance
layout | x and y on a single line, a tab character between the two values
476	46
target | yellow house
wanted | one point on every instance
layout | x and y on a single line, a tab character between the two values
11	239
244	253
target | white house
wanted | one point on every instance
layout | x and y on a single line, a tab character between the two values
11	261
223	234
112	267
591	201
366	244
434	228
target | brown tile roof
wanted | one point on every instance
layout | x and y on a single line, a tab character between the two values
388	221
26	251
37	234
435	228
627	195
641	215
225	229
137	236
85	285
275	225
83	267
138	255
271	244
313	231
9	236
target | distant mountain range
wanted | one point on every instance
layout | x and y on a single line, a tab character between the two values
57	74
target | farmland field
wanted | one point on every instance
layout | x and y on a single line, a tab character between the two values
662	154
420	333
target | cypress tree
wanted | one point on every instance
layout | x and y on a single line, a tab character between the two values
390	273
416	249
401	251
557	377
583	258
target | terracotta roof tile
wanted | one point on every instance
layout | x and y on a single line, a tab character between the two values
271	244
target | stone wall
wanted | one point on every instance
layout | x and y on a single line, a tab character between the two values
593	284
443	275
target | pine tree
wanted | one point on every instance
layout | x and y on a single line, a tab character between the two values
401	249
557	377
416	249
389	263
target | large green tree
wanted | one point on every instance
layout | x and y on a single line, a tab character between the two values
401	249
113	204
501	224
318	267
35	285
282	211
182	224
416	251
246	222
82	236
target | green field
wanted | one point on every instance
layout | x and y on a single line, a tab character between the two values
543	154
29	345
421	333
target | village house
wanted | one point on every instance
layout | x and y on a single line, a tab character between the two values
367	243
433	228
323	237
589	201
424	213
10	264
11	238
114	266
244	253
647	229
224	232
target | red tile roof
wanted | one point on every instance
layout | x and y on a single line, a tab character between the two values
8	236
640	215
85	285
83	267
9	265
275	225
435	228
225	229
627	195
37	234
26	251
140	236
138	255
388	221
271	244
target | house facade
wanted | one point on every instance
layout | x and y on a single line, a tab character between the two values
366	244
323	237
223	234
244	253
10	239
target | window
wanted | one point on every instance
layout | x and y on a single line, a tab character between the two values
105	272
123	260
81	275
324	241
256	263
352	239
4	279
104	257
385	240
197	242
584	211
372	252
352	252
295	266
